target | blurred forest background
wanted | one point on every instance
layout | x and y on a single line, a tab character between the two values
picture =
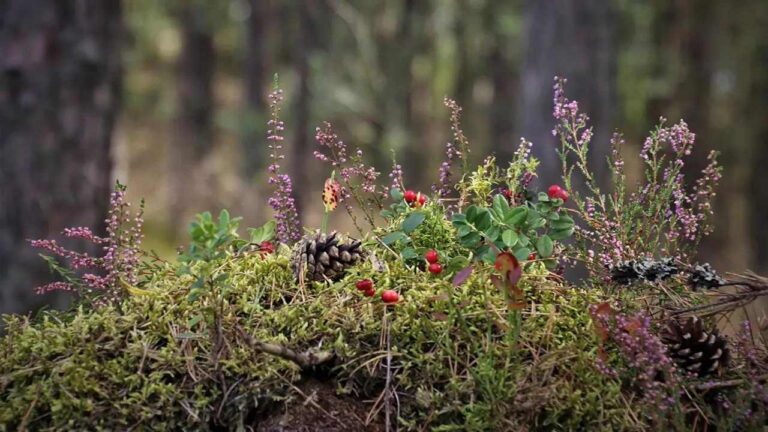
170	97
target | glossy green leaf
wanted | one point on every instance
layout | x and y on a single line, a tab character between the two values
509	238
413	221
516	216
393	237
544	246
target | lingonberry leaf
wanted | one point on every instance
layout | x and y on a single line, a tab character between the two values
544	246
393	237
413	221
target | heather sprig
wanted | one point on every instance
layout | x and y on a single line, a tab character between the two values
358	179
522	168
642	359
282	200
455	150
396	175
662	217
121	259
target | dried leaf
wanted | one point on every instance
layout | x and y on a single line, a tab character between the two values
439	316
331	194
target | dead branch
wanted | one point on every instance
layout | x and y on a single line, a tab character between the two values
750	287
726	384
305	360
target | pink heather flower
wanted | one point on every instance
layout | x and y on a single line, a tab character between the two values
454	151
282	201
121	246
644	355
569	121
396	176
54	286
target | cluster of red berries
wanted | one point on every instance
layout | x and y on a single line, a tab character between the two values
433	259
387	296
555	191
415	199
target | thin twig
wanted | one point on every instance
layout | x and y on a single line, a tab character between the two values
728	383
305	360
389	373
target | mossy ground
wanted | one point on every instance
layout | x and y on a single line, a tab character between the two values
459	361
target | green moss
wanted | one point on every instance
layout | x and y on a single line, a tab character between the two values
155	361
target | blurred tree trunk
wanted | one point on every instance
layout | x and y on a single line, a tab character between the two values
257	84
398	53
683	34
505	78
59	95
575	40
302	146
193	134
756	113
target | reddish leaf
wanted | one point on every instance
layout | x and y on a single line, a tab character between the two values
599	313
603	309
439	316
516	305
514	275
498	282
505	262
440	297
462	276
633	325
511	271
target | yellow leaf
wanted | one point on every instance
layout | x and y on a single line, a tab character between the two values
331	194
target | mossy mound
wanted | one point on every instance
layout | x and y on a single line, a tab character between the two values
154	362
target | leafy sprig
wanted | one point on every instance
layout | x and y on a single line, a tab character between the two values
519	229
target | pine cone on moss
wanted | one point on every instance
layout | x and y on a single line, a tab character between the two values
324	256
694	349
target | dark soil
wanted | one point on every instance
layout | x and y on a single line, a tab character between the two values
317	407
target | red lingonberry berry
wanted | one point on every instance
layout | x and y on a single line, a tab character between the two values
431	256
364	284
563	195
435	268
389	296
507	193
531	256
422	199
410	196
369	293
266	247
554	191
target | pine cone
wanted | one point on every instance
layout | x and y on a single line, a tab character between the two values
694	349
324	257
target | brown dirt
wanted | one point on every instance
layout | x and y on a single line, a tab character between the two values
317	407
